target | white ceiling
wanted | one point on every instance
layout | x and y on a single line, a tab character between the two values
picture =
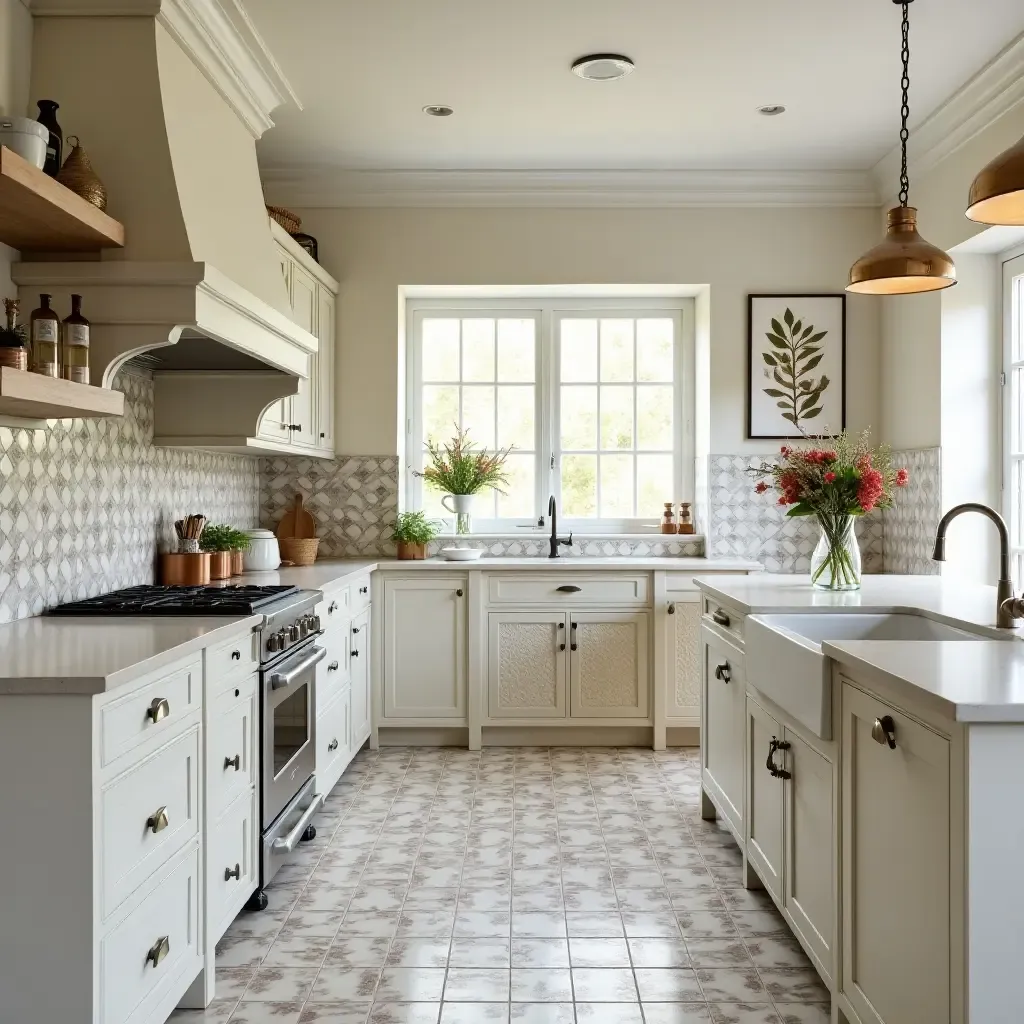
364	68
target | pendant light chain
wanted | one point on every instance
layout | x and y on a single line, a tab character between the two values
905	109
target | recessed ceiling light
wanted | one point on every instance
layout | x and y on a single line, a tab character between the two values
771	109
602	67
438	111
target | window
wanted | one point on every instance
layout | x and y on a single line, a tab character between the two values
591	394
1013	434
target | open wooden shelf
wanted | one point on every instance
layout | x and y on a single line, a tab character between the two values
32	396
38	214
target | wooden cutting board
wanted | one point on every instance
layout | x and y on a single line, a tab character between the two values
296	522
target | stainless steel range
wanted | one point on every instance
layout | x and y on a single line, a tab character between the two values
288	658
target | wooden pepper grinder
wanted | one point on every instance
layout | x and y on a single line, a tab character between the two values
668	522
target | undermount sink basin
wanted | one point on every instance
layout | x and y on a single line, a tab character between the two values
785	661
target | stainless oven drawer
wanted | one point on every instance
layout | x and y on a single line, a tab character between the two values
284	835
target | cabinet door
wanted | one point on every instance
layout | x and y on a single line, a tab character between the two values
325	370
424	669
682	660
895	866
809	890
304	312
360	675
274	422
723	727
764	798
333	741
608	675
526	664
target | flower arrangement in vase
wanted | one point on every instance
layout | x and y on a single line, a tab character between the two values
836	478
461	469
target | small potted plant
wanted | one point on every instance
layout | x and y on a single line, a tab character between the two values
461	470
412	533
218	539
239	541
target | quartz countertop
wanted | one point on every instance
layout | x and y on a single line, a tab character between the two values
969	680
58	654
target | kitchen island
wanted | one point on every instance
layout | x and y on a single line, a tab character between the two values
870	770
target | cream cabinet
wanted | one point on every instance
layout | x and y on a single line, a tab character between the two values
305	421
682	659
764	797
608	675
526	664
895	868
424	669
723	728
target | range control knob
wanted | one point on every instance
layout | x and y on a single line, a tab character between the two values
303	626
316	623
274	643
312	623
293	633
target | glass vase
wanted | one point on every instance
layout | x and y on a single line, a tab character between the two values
461	507
835	563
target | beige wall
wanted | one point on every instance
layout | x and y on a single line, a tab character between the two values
15	51
735	251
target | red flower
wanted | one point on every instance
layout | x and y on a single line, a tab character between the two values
830	456
830	477
902	477
871	487
782	501
761	487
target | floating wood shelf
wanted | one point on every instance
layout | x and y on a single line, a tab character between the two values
31	396
38	214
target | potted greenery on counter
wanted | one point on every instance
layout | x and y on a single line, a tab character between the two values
412	533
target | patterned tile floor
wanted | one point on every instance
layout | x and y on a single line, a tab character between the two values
528	886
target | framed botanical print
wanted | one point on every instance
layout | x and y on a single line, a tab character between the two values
796	365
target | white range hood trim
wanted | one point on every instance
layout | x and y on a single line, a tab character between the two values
218	37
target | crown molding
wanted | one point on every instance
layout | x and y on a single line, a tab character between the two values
996	89
220	40
454	188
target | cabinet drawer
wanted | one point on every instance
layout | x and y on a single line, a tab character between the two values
138	973
337	605
360	594
233	721
149	710
239	656
130	808
569	589
333	741
333	672
231	862
724	617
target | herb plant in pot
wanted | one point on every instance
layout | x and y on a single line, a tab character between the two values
412	533
239	541
218	540
461	470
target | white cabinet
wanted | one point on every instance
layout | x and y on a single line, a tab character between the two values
305	301
895	873
608	676
682	659
333	740
723	727
423	673
324	399
764	824
359	674
526	664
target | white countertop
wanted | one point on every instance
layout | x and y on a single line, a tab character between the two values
970	680
85	655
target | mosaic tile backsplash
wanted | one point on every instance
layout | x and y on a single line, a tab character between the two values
910	527
85	504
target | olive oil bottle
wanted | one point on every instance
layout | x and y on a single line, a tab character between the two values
76	344
45	332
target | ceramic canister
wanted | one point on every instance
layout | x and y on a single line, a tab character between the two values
264	553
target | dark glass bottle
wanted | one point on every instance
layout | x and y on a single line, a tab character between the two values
48	119
45	329
76	344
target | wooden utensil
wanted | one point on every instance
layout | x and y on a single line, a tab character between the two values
296	522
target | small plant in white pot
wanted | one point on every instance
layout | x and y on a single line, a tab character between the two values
461	470
412	532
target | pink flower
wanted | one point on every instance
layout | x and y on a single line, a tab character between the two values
871	487
902	477
785	450
830	477
761	487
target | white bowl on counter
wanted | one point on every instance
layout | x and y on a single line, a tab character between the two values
461	554
25	137
264	553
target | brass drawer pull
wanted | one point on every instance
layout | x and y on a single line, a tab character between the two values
773	769
229	874
568	588
720	617
158	821
233	762
723	672
333	667
884	731
158	710
159	950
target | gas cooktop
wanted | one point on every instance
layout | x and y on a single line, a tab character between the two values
155	600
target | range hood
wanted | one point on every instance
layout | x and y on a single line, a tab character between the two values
169	97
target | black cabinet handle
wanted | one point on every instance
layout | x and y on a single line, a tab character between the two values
233	762
332	607
332	746
229	874
573	646
672	608
355	629
724	673
236	655
720	617
364	590
355	654
884	731
774	771
458	593
333	667
568	588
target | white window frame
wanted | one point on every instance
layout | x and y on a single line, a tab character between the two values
1013	283
547	311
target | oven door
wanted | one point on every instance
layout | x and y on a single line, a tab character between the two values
289	721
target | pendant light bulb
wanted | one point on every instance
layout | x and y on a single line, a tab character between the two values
903	264
997	193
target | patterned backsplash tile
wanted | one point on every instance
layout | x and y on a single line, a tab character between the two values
84	504
910	526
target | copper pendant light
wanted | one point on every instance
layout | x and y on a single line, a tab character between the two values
904	264
997	193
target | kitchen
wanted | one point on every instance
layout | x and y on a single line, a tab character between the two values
505	810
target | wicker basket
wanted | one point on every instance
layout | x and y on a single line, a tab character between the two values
299	550
288	220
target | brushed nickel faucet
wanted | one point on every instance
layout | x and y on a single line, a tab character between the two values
1008	608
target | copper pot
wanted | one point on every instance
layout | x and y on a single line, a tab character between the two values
172	570
220	565
197	569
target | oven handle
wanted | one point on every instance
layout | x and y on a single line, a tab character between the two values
290	841
279	680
